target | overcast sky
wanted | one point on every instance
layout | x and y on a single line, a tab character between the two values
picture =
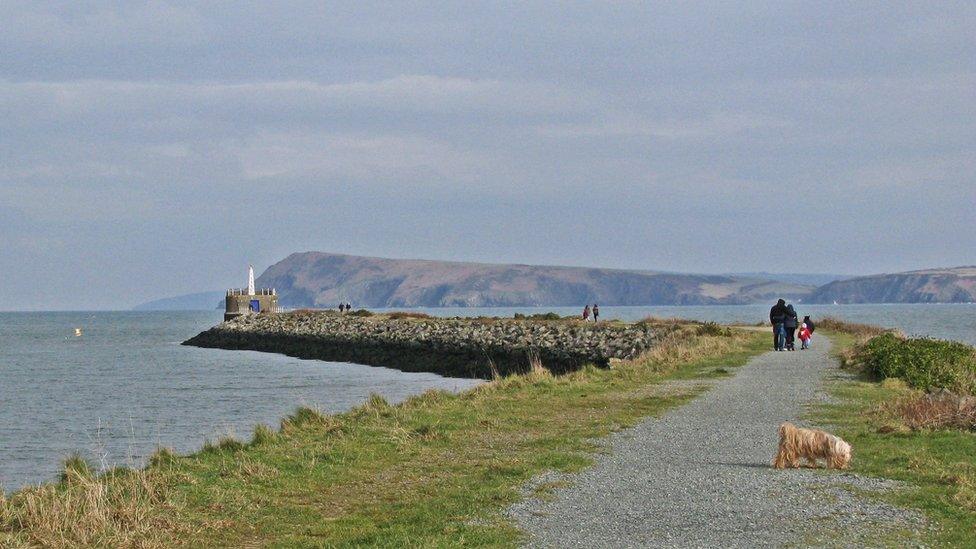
156	148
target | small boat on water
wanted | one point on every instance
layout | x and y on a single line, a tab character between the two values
77	332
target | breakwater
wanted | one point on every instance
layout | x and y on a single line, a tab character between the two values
459	347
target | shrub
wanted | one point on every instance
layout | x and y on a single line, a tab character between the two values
224	444
376	401
262	435
922	362
406	314
230	444
360	312
713	329
375	406
860	331
161	457
658	321
540	316
75	468
303	416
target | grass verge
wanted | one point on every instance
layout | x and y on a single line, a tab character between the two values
939	465
437	470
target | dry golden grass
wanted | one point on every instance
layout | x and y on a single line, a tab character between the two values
406	314
938	411
683	344
535	367
861	332
119	509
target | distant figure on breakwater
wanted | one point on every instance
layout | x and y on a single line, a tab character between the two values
777	316
342	306
586	313
596	312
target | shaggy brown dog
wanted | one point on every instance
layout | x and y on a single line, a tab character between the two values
810	444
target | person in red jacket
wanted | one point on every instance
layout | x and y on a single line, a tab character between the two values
805	336
586	313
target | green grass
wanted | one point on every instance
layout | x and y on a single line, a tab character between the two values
939	466
437	470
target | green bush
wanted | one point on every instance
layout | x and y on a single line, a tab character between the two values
539	316
713	329
406	314
922	362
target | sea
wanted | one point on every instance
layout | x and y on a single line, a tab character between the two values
126	386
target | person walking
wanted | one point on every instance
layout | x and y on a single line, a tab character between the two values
790	325
805	336
586	313
596	312
777	316
809	323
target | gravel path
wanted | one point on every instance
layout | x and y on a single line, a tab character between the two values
700	477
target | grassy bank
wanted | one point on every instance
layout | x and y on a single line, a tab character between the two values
437	470
878	414
920	362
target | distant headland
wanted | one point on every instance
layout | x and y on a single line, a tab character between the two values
321	280
955	285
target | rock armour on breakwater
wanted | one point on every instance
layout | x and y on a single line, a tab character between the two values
453	347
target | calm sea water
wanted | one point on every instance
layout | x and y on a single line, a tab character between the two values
126	386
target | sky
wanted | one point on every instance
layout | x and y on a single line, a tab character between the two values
150	149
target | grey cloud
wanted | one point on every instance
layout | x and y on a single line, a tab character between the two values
695	136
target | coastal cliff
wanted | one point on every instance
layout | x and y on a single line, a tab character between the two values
457	347
957	285
316	279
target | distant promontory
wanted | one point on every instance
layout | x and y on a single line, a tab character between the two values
956	285
322	280
316	279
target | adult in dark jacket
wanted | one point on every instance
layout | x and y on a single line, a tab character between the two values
777	316
790	325
809	323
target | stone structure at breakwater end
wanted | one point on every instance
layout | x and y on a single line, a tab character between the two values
245	301
459	347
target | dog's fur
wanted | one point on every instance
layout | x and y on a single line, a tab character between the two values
810	444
